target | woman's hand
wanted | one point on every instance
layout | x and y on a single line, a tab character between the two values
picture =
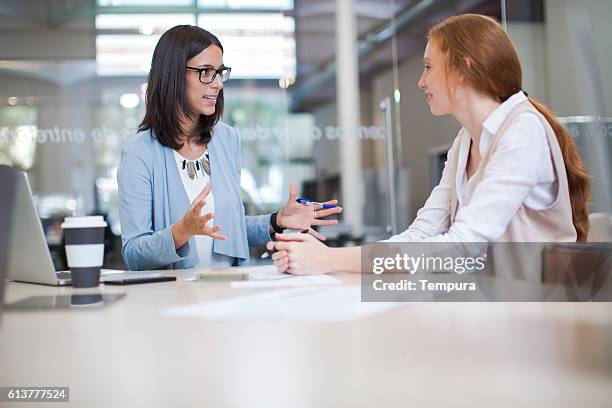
193	223
302	217
301	254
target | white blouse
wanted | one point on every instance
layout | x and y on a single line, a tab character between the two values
204	244
520	171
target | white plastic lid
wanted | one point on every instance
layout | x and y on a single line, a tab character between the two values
93	221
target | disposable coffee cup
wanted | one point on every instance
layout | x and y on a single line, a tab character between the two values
84	239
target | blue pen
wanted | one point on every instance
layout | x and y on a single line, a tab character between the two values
306	201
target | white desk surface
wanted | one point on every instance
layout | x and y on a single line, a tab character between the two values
430	354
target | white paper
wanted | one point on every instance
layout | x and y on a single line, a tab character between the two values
283	280
254	270
262	273
266	276
327	304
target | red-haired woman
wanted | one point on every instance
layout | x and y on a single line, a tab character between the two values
513	172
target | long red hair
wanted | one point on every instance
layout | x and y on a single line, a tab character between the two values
477	48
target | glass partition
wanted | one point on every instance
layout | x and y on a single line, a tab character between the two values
565	51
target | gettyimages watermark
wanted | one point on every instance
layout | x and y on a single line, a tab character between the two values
476	272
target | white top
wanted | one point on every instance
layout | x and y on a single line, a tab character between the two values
520	171
204	244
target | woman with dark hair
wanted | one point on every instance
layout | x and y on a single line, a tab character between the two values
179	180
513	172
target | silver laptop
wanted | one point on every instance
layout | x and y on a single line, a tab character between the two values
7	186
29	259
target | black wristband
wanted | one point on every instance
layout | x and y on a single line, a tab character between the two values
274	225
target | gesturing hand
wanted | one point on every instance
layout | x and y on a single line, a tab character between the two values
303	217
193	223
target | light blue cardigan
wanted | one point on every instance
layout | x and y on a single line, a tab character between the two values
152	198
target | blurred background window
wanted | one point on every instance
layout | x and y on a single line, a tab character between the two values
129	40
255	45
17	135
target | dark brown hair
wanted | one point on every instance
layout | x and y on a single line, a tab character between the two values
166	98
477	48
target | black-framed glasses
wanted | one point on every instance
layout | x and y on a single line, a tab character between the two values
209	74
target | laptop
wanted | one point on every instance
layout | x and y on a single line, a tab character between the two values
28	256
7	186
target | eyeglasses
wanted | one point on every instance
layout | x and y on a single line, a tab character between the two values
208	74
